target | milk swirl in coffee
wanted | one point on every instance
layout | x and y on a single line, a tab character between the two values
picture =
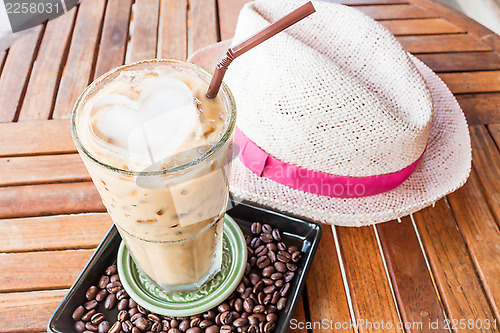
140	122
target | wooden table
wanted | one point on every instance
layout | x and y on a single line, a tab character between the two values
443	262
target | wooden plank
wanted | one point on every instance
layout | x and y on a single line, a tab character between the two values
495	132
370	290
202	25
36	137
16	72
144	37
396	12
481	234
486	158
299	317
473	82
442	43
78	69
461	61
369	2
44	80
32	309
452	267
325	291
114	37
228	16
42	169
408	272
480	108
49	199
173	30
432	26
82	231
41	270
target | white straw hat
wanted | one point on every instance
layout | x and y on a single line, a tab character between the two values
332	101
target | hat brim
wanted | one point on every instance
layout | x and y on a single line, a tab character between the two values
444	167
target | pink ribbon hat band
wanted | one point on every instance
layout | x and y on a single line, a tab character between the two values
316	182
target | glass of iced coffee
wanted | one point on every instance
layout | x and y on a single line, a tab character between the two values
158	152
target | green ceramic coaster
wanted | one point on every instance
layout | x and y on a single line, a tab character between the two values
147	293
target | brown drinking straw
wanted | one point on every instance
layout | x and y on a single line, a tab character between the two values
261	36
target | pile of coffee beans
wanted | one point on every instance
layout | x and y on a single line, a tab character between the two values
253	307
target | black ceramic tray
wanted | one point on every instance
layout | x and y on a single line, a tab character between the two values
296	231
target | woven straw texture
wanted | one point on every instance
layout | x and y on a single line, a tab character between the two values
336	93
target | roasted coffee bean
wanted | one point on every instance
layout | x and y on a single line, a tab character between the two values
79	326
101	295
289	276
272	317
279	283
155	327
223	307
91	292
153	317
248	268
276	297
127	326
276	235
248	292
110	302
212	329
240	322
253	320
272	247
111	270
184	325
165	325
268	271
250	251
281	303
103	281
227	318
280	267
113	287
194	330
135	330
142	323
254	278
263	262
266	238
78	313
122	316
267	281
271	309
248	239
253	329
259	309
245	281
91	304
291	267
225	329
266	228
231	302
269	289
121	294
268	299
174	323
260	297
205	323
123	304
293	249
132	303
261	250
174	330
282	246
103	327
218	320
97	318
91	327
241	288
142	310
114	278
248	305
284	256
255	243
252	261
132	311
269	327
116	328
296	256
88	315
272	256
261	326
238	305
210	315
136	316
285	289
258	287
256	228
